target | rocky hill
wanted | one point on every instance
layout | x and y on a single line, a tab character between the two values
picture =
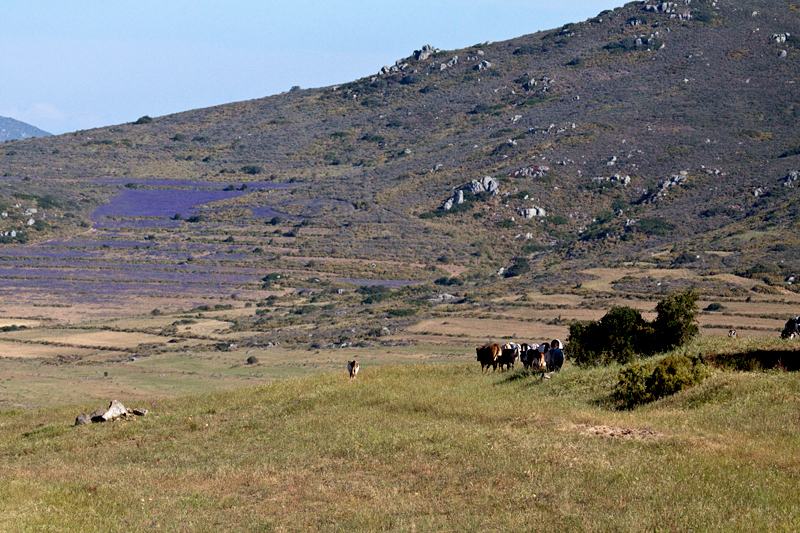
11	129
659	132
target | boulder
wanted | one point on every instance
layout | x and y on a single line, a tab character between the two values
140	412
82	420
97	416
483	65
426	52
486	184
458	198
115	410
791	178
533	212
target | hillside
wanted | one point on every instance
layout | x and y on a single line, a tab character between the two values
653	146
707	100
11	129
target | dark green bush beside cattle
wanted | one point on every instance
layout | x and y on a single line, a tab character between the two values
623	334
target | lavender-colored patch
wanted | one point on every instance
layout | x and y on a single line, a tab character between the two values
88	267
56	253
126	276
159	202
107	223
89	243
377	282
194	184
269	212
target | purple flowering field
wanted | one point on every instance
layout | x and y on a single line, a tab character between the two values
159	202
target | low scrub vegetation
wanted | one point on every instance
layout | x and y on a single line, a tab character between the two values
642	382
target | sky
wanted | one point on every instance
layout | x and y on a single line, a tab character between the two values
78	64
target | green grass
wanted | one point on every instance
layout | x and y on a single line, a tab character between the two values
416	447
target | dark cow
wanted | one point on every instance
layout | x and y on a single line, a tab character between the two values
488	356
555	356
526	355
509	355
792	329
530	357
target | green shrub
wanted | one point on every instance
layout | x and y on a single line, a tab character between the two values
252	169
675	373
144	120
619	336
623	333
631	387
655	227
521	266
506	224
402	312
676	323
685	258
252	360
715	306
646	382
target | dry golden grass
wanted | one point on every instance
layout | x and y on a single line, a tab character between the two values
743	333
24	350
716	319
483	330
86	337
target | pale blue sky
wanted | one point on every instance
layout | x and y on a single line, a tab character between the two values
77	64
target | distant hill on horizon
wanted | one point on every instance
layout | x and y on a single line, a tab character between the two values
14	129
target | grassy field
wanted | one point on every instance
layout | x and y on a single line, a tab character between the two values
425	447
421	441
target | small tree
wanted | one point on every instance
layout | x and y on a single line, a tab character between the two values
618	336
676	323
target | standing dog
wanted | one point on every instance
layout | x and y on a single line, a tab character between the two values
352	367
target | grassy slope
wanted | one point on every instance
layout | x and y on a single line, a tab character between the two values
423	447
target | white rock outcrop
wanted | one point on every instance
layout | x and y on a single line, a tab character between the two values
426	52
533	212
485	184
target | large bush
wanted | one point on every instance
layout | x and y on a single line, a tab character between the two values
623	333
618	336
676	323
646	382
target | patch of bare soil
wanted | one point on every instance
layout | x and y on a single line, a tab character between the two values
612	432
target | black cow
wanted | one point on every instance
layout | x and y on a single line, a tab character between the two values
791	329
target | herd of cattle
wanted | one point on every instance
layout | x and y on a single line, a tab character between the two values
546	357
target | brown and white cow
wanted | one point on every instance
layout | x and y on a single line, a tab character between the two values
352	367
